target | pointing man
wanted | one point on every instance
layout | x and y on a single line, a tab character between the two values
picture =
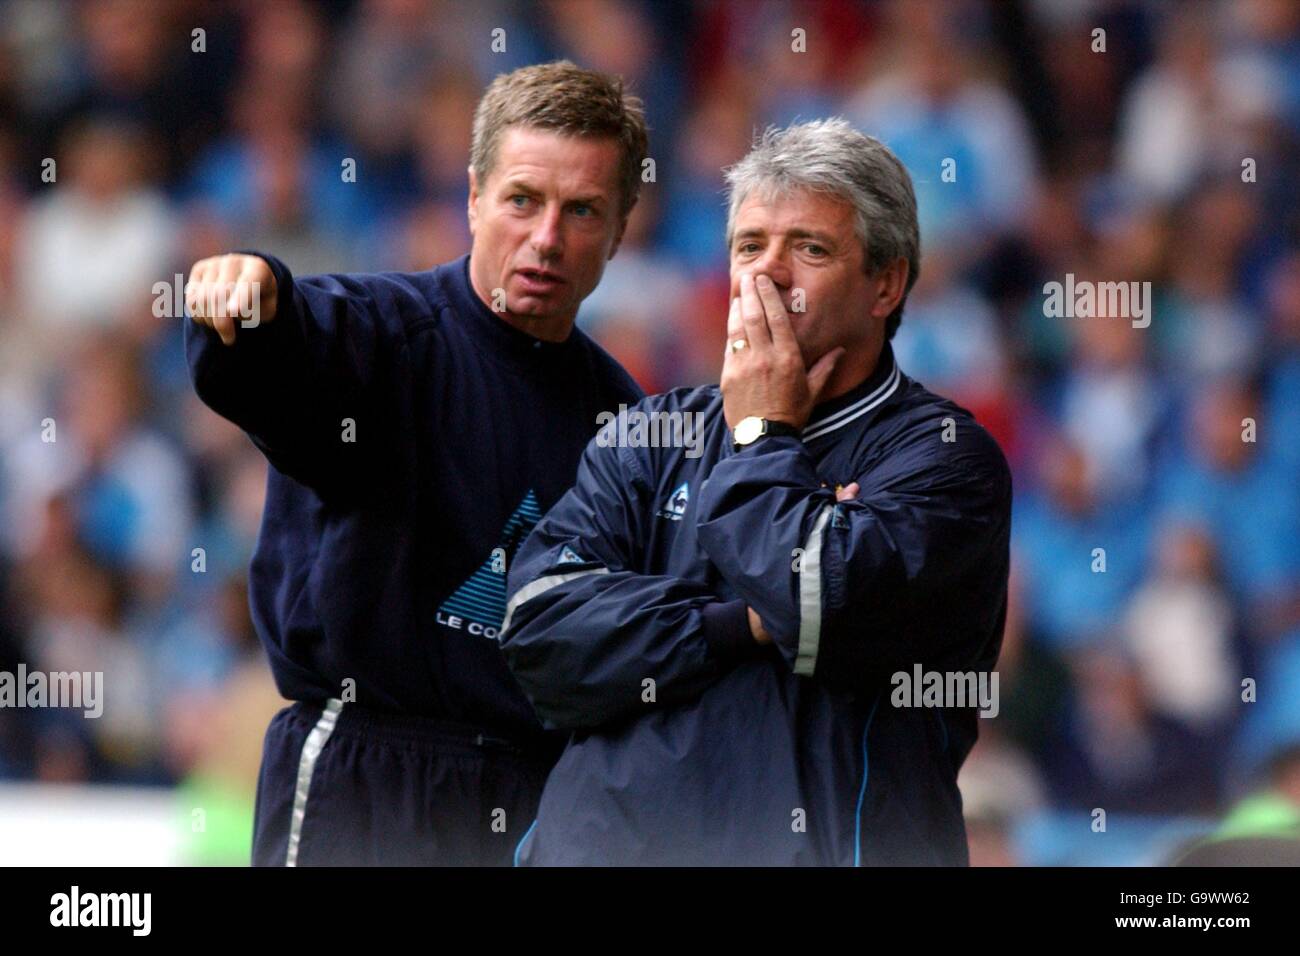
416	426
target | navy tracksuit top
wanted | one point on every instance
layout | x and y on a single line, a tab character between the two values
691	744
414	439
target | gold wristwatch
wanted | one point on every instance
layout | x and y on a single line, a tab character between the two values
751	429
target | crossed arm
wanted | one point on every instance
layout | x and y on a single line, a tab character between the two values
838	581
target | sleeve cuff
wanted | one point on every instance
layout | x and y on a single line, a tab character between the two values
283	281
726	631
262	360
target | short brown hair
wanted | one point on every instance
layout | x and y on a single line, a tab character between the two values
565	98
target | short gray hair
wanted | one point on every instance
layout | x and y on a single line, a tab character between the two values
830	156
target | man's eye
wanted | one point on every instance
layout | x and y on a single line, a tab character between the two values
815	249
583	210
519	202
747	247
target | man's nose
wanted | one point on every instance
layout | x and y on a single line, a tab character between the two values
546	239
774	265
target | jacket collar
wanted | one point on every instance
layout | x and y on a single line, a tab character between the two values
875	390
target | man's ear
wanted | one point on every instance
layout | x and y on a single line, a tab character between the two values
891	284
472	208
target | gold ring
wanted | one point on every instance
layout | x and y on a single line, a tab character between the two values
737	345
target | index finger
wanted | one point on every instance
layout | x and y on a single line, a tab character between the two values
751	313
778	320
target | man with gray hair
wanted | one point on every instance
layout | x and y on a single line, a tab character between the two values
718	633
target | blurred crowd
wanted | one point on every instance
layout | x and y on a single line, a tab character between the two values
1151	664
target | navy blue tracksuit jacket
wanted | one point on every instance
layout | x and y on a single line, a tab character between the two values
690	743
414	439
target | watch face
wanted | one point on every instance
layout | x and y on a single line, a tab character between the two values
747	429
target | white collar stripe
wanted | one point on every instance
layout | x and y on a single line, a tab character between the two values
857	410
865	400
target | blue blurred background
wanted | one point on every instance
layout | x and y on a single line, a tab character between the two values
1121	690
